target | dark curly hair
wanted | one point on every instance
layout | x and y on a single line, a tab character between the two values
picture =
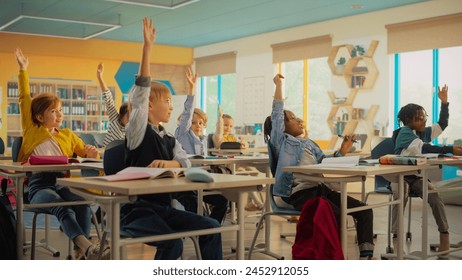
409	113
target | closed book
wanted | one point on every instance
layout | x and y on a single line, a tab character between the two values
136	173
402	160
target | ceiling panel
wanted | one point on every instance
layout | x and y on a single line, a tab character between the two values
200	23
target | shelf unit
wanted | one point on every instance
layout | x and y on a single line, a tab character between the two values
82	102
360	72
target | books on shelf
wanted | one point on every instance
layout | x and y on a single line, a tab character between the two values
136	173
357	81
402	160
349	161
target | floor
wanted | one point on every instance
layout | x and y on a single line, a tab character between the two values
283	246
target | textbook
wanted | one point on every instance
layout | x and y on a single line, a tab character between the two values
402	160
82	160
136	173
349	161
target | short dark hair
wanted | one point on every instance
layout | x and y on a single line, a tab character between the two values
408	113
123	110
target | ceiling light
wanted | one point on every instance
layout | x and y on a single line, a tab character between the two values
64	28
164	4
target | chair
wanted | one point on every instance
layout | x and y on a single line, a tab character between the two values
210	144
88	139
275	209
2	146
99	139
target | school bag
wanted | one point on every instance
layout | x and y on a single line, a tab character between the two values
317	235
7	226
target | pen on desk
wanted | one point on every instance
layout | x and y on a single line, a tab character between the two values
341	136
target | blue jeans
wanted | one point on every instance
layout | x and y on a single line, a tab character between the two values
145	218
74	220
219	204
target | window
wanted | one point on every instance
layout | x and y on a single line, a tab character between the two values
317	104
214	90
421	72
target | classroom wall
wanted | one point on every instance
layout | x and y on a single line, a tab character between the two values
254	54
75	60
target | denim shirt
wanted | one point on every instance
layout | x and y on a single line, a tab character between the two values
288	150
192	144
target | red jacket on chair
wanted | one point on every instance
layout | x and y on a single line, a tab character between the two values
317	235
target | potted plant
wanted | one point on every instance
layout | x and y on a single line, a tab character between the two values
340	65
358	51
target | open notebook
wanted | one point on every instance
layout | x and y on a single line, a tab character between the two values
135	173
349	161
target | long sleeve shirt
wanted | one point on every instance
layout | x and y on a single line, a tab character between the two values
115	131
191	143
135	130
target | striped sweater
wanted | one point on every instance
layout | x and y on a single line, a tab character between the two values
115	130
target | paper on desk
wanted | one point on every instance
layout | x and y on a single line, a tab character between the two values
350	161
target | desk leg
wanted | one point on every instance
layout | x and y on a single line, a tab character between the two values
19	218
115	230
240	250
343	219
424	214
401	188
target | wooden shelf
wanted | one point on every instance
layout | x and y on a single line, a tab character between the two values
360	72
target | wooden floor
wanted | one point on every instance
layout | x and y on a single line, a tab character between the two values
283	246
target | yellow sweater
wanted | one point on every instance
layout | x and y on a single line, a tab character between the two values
34	135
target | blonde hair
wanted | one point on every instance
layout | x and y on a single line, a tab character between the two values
159	91
201	114
226	116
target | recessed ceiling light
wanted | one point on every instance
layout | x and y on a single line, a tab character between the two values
357	6
165	4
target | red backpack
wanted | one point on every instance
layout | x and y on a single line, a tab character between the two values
317	235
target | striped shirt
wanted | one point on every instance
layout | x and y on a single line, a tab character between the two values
115	131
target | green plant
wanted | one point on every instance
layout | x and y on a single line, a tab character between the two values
358	51
341	61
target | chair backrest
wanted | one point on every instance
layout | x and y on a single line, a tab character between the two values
114	157
210	144
99	139
88	139
15	148
2	146
381	146
273	158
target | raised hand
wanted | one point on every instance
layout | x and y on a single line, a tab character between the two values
100	70
191	77
149	32
23	61
220	111
443	94
278	79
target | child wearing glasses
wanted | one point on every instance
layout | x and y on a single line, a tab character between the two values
414	138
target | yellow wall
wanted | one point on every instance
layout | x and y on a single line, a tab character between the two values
76	60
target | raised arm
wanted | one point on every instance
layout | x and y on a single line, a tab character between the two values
444	113
188	111
99	75
24	90
139	96
218	135
110	105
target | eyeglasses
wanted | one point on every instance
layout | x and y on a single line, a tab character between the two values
421	118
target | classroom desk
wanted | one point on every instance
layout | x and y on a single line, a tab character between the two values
355	174
452	161
5	156
17	172
129	191
248	151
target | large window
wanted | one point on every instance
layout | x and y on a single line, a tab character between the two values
421	72
317	104
213	91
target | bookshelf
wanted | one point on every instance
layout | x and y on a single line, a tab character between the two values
359	72
83	105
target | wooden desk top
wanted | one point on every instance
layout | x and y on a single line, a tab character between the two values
231	160
446	161
357	170
5	156
165	185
